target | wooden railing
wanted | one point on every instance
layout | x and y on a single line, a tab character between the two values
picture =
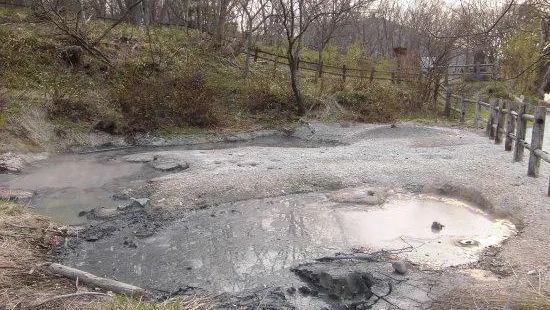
507	123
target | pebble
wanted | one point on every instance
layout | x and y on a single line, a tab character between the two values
400	267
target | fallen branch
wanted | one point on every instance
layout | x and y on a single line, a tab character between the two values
54	298
90	279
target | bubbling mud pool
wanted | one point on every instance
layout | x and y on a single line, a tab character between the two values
239	246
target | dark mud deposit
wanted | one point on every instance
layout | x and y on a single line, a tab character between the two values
331	249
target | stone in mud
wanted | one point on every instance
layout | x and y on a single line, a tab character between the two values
400	267
140	158
168	166
16	195
366	196
133	205
337	284
10	163
102	213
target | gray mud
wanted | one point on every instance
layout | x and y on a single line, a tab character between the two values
251	221
238	247
67	185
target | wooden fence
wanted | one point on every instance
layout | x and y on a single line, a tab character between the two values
507	123
345	72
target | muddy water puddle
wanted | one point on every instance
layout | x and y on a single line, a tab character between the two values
239	246
66	185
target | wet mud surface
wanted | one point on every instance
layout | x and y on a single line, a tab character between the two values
305	222
237	247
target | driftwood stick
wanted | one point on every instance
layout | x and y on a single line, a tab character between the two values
90	279
54	298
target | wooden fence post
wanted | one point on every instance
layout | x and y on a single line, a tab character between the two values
462	109
510	126
320	70
494	119
372	71
275	64
489	127
478	110
256	55
499	131
448	99
536	141
344	71
520	133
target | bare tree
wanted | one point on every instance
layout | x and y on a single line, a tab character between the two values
340	12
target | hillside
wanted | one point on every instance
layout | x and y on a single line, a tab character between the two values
169	80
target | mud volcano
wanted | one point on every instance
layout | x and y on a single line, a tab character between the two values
244	245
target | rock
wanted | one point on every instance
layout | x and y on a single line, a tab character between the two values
167	166
101	213
129	243
16	195
336	283
437	227
400	267
140	158
304	290
83	213
133	205
10	163
72	55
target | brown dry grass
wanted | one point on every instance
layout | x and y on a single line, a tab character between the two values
25	241
512	294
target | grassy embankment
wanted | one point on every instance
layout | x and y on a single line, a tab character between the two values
172	83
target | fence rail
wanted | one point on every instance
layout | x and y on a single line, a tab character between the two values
345	72
507	123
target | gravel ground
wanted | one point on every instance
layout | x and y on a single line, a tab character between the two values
450	161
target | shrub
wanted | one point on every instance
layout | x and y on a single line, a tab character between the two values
379	103
153	100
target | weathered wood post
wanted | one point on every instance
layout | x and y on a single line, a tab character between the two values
275	64
489	127
520	133
536	142
494	118
256	55
478	112
344	71
372	71
510	126
320	70
462	109
448	99
499	131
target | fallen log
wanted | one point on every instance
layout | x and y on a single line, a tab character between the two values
92	280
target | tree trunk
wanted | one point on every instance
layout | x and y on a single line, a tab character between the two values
293	63
248	46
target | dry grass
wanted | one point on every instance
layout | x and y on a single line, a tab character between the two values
523	294
25	241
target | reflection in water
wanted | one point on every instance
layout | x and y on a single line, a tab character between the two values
238	246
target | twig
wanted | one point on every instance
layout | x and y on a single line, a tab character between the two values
36	305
